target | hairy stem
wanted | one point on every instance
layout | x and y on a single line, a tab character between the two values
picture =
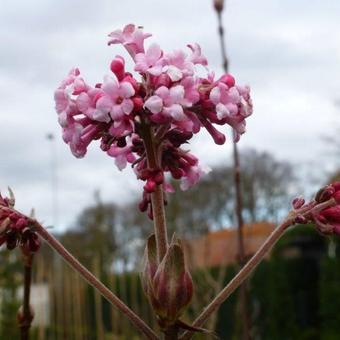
157	197
94	282
252	263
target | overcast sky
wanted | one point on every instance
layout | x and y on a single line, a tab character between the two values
287	51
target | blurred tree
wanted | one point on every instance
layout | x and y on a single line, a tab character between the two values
267	186
267	189
94	235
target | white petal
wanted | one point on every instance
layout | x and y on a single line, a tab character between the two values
215	95
222	111
127	106
177	93
176	112
126	89
154	104
174	73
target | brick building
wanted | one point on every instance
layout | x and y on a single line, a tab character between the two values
220	247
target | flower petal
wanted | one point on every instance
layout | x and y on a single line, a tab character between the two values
154	104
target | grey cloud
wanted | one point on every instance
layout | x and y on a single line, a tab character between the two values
286	50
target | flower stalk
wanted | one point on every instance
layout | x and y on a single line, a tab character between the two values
255	260
157	197
94	282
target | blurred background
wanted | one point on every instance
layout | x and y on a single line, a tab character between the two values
288	53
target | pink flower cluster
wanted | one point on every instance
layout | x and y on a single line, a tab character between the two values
170	99
15	228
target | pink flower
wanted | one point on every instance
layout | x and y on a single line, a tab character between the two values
116	99
131	38
196	57
232	105
178	65
66	94
150	61
79	134
193	175
169	102
171	99
122	155
86	103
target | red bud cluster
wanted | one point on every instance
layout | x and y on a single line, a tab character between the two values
15	228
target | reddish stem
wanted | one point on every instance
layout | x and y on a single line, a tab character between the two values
252	263
94	282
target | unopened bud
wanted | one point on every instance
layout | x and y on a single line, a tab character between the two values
300	219
150	186
228	79
25	320
33	244
298	202
172	286
218	5
336	195
137	104
159	177
324	194
118	67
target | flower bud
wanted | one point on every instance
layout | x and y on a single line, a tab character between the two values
336	195
298	202
324	194
328	220
228	79
22	319
218	5
150	186
300	219
118	67
172	286
137	104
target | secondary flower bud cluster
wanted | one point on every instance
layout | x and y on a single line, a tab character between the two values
170	102
15	229
327	220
